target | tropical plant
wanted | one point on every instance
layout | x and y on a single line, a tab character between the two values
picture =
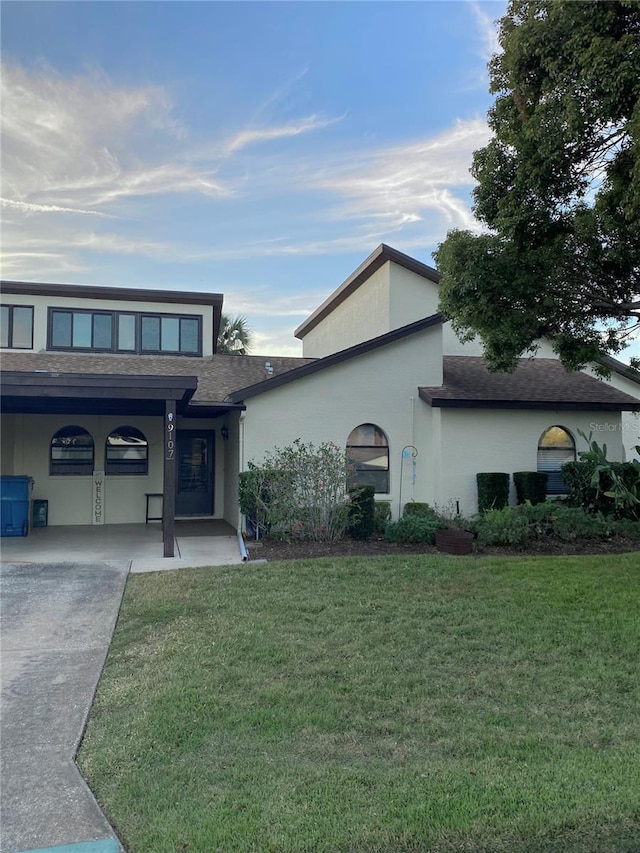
618	482
234	337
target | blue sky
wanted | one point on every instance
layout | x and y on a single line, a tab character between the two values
257	149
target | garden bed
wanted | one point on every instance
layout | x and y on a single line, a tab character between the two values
274	549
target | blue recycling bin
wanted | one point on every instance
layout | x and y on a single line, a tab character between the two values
15	500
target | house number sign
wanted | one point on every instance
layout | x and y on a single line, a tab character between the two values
170	440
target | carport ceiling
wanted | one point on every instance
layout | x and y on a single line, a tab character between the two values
49	393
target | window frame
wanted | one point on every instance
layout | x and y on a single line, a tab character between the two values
125	473
352	478
55	463
552	489
139	317
10	326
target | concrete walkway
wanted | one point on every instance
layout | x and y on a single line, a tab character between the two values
57	622
60	593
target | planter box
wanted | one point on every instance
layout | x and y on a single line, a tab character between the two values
454	541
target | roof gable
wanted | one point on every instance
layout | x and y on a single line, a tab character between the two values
376	259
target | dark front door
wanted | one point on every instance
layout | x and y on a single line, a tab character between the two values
194	474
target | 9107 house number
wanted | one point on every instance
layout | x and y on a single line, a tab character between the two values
170	443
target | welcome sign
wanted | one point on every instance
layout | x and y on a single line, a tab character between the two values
97	501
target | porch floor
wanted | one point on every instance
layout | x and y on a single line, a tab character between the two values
198	543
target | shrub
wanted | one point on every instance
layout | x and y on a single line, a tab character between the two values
381	515
493	491
361	512
519	526
505	526
300	492
414	528
531	486
626	527
253	496
421	510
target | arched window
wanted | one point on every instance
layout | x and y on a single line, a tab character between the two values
71	452
555	447
368	453
126	452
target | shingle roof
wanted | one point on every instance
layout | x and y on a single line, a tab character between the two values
535	384
218	375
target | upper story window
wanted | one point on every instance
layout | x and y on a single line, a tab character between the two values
124	331
368	454
16	330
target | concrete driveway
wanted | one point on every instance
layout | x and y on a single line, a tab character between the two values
57	622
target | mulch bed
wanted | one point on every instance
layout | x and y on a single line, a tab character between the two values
273	549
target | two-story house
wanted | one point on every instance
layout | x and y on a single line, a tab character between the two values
117	404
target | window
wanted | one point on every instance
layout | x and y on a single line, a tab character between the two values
126	452
368	453
71	452
16	330
122	331
556	446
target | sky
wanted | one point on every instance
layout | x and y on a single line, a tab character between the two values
257	149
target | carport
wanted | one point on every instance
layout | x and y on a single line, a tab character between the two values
44	392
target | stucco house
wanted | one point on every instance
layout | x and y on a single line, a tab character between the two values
117	404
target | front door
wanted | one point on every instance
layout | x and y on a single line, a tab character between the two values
194	474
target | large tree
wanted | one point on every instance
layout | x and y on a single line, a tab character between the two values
558	187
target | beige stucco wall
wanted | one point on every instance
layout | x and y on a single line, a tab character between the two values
630	423
475	440
452	345
25	450
390	298
7	432
379	387
411	297
42	303
363	315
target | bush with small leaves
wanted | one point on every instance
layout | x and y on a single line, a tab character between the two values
414	528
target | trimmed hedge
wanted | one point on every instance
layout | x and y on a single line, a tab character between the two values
531	486
361	512
493	491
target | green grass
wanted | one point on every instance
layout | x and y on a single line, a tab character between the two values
388	704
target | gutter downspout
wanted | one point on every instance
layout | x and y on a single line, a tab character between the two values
243	548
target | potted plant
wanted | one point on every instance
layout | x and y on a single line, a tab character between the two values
455	538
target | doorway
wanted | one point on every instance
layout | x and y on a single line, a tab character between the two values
194	472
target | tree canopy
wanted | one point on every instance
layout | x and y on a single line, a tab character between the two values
234	336
558	189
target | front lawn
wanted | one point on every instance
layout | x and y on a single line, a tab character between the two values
408	703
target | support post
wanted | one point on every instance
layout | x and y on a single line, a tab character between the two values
169	479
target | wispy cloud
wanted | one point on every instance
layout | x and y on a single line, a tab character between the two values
403	184
267	134
27	207
79	144
487	30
